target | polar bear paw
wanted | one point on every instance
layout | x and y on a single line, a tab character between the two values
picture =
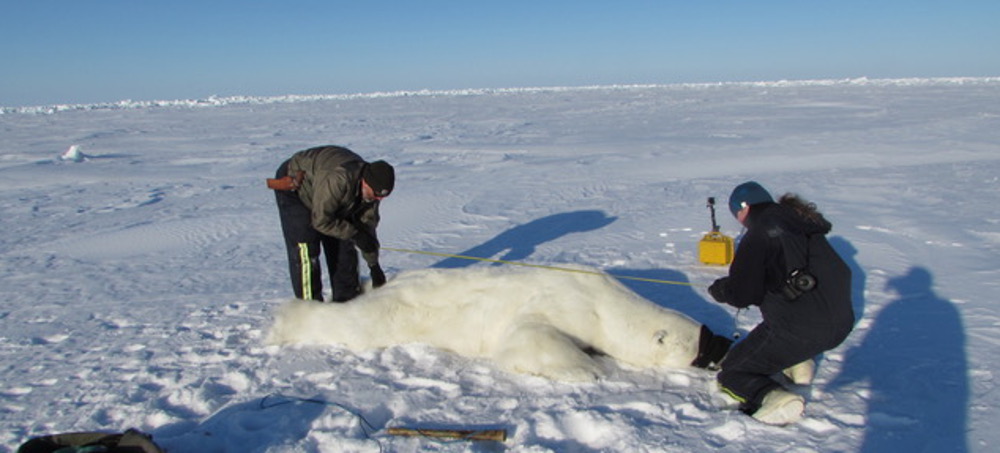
541	349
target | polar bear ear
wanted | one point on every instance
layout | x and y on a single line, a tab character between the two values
660	336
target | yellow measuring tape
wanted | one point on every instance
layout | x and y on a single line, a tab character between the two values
540	266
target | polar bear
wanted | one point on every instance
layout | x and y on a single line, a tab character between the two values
527	320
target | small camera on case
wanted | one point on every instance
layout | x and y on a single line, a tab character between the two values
799	281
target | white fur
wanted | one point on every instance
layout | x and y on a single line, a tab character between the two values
528	320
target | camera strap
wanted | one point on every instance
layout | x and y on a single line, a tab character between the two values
794	247
796	250
798	277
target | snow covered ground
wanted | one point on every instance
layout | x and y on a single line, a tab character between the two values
141	271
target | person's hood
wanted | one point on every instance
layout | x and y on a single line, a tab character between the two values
769	215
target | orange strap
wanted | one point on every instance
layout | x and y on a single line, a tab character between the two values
287	182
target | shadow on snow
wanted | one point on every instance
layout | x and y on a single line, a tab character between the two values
520	242
913	361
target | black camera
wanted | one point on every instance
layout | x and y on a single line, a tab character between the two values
799	281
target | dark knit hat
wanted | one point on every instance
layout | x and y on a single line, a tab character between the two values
747	194
380	176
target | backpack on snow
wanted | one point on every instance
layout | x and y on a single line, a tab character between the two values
131	441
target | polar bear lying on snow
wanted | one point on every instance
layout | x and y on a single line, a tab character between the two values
528	320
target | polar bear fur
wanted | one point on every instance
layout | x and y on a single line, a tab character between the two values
528	320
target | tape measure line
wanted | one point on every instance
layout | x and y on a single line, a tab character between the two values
539	266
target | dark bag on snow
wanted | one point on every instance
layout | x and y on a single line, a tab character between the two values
130	441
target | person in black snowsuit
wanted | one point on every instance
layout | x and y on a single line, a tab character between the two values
328	199
785	266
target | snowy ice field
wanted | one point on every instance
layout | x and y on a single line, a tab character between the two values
140	276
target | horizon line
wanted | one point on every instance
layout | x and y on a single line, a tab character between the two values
219	101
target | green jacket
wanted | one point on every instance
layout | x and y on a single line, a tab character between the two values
331	189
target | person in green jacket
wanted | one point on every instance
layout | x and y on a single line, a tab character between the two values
328	199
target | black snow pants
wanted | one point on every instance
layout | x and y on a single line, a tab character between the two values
303	243
747	369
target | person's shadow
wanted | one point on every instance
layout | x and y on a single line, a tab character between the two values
520	242
913	360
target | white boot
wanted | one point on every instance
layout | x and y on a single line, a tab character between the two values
780	407
801	373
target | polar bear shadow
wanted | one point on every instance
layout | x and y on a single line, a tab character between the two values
527	320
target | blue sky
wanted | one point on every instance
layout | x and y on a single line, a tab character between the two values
86	51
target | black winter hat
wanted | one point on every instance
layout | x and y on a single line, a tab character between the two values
380	176
749	193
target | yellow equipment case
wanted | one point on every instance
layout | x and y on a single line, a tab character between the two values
715	247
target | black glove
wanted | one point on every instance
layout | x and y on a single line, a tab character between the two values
366	241
719	290
378	277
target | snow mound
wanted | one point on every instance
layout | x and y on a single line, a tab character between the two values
73	154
